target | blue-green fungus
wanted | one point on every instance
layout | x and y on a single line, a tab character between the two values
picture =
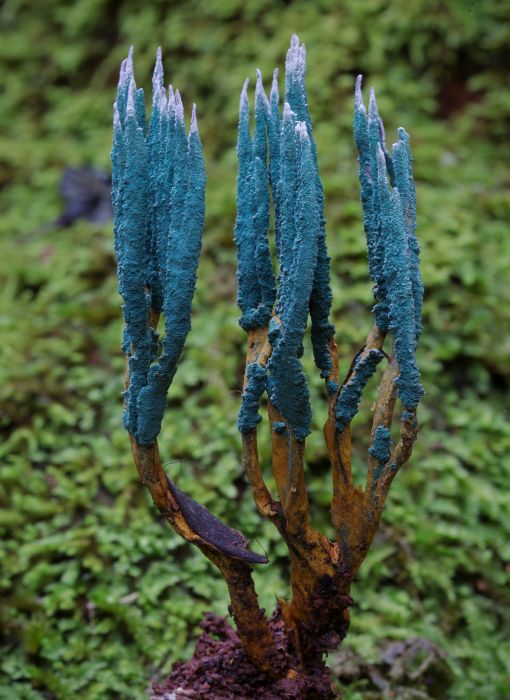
380	449
159	217
350	394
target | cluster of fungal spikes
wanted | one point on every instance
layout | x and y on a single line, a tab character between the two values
282	157
389	206
158	184
158	195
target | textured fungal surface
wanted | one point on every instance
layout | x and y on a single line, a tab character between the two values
282	156
158	194
389	204
158	190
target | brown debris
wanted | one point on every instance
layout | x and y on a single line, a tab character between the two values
221	670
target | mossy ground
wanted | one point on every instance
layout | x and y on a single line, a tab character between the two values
97	595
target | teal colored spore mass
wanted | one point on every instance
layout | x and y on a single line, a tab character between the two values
322	329
158	192
389	204
158	187
256	287
250	402
283	155
350	394
288	386
381	446
403	163
380	449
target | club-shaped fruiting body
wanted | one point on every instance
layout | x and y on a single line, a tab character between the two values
389	204
388	198
349	397
282	155
158	191
158	195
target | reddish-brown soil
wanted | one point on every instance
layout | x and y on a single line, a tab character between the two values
220	670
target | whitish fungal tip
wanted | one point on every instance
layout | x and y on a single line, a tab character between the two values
381	160
358	97
259	75
194	125
179	107
287	112
259	91
122	72
129	74
129	61
116	116
243	100
171	99
162	99
157	76
274	95
301	130
372	105
130	106
402	134
296	56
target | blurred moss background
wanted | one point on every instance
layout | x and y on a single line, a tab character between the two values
97	594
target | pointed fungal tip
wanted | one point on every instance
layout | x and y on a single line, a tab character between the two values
116	115
194	124
129	74
295	60
286	109
243	99
162	99
301	130
274	94
179	107
129	60
372	105
122	73
130	105
358	97
381	160
402	134
171	99
159	54
259	90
